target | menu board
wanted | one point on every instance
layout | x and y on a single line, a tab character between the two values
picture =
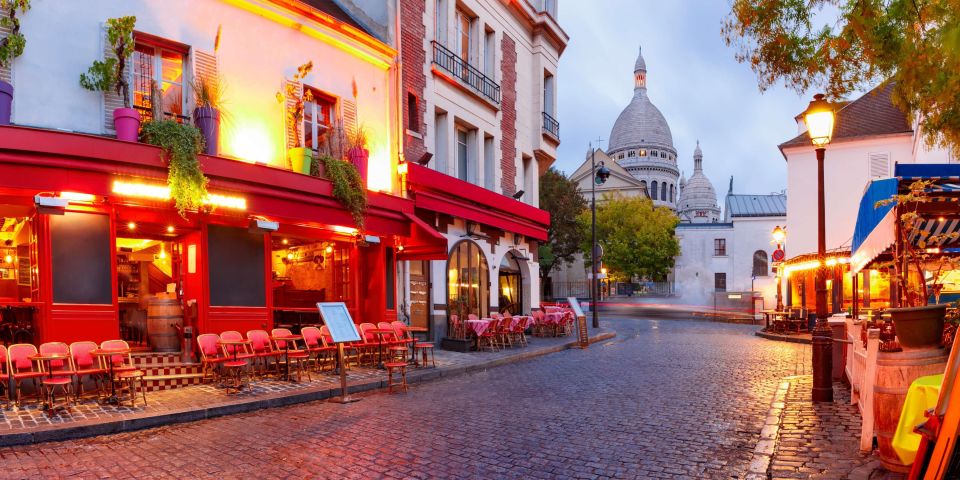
23	265
575	305
582	335
337	319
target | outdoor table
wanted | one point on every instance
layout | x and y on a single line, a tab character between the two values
921	396
413	333
235	346
109	353
287	340
478	326
380	332
48	358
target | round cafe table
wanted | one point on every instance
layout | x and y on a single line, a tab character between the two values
380	332
237	363
107	355
413	333
48	359
287	340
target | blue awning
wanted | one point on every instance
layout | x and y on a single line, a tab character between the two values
870	215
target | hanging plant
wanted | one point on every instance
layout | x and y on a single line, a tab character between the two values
347	187
181	144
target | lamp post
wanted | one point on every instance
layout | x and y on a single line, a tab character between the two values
779	234
819	119
599	178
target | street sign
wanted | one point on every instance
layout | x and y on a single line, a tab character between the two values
778	255
598	251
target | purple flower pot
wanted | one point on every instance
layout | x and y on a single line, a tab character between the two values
6	102
207	119
360	157
126	121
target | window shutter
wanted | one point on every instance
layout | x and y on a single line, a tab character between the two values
292	129
348	111
204	67
879	165
6	73
111	100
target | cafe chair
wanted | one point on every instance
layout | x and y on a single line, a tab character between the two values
263	350
4	373
22	368
61	370
395	344
456	326
489	337
371	344
85	365
401	369
236	360
121	362
210	357
295	355
321	354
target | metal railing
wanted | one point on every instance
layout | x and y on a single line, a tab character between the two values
466	73
551	125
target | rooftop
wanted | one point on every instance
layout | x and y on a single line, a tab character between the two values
872	114
774	205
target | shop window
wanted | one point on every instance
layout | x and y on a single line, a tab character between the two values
236	264
468	280
720	282
760	268
317	117
719	247
81	261
307	271
160	63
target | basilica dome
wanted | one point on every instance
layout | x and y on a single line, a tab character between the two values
698	199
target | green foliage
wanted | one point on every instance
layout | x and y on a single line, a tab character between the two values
348	187
913	43
13	44
294	90
181	144
637	237
110	74
208	91
562	198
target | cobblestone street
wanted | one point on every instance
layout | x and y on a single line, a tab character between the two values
664	399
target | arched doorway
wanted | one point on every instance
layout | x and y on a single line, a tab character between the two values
468	280
510	285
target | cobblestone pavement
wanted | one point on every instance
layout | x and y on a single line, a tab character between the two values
665	399
818	440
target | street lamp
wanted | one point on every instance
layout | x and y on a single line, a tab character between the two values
779	235
599	178
820	119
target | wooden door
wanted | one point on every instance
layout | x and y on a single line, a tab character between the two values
419	293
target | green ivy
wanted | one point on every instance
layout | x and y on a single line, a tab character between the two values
348	187
181	144
13	44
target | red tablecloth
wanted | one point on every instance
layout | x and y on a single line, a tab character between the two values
478	326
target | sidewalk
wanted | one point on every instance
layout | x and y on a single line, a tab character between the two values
30	425
816	440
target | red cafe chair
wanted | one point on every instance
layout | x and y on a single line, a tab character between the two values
236	360
322	354
61	370
395	344
22	368
263	349
210	356
293	353
85	365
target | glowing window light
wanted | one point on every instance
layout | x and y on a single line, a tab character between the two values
238	203
77	197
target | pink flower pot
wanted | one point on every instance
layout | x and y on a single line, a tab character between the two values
126	121
360	158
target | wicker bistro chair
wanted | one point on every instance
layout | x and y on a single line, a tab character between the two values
321	353
22	368
4	372
237	357
263	350
395	343
125	372
490	337
369	349
295	355
62	371
457	328
211	357
85	365
351	351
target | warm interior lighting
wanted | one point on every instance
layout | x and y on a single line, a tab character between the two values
77	197
132	226
238	203
819	118
379	168
345	230
329	249
8	259
812	264
285	241
832	262
399	248
290	256
603	271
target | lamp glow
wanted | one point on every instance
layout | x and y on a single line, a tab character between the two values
329	249
779	234
819	118
170	229
132	226
77	197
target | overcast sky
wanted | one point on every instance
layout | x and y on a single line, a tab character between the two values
692	77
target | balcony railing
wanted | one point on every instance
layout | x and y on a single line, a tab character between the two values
551	125
462	70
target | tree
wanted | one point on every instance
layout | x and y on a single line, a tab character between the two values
637	237
913	43
562	198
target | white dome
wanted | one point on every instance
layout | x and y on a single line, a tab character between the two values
641	125
698	199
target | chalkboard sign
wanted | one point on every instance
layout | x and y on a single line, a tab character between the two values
80	243
23	265
337	319
582	336
236	260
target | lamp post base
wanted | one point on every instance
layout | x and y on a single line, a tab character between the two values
822	342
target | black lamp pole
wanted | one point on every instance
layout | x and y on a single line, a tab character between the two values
593	239
822	335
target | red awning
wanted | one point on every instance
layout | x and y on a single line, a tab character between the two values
425	242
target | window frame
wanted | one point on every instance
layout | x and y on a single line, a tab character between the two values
719	247
720	281
326	99
159	46
463	164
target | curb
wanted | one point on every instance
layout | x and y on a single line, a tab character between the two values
783	338
141	421
766	446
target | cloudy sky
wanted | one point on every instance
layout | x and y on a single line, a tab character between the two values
692	77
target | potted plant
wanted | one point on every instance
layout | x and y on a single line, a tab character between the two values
294	99
358	154
918	325
11	47
348	188
110	74
208	96
181	144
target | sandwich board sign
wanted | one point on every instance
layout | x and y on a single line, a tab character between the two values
338	320
582	337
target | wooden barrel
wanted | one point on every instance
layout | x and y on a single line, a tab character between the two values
895	372
163	317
